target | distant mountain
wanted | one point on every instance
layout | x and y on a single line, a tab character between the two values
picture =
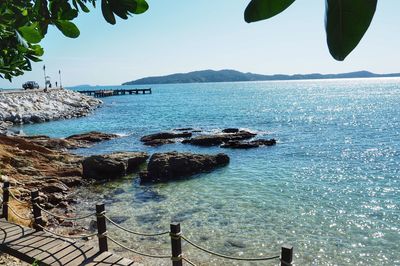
233	75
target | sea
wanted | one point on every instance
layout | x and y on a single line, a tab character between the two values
330	187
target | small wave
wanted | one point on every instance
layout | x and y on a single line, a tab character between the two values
122	135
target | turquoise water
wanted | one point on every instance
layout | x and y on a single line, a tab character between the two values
330	187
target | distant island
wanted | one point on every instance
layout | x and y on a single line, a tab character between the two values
233	75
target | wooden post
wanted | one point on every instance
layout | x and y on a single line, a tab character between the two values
286	255
37	212
176	245
6	198
101	227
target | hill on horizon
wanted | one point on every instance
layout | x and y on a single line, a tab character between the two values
228	75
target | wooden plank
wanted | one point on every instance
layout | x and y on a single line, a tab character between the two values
33	235
125	262
67	251
45	256
34	244
112	259
89	253
52	252
15	235
60	252
97	260
43	249
30	245
75	254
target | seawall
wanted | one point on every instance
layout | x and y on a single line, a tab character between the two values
37	106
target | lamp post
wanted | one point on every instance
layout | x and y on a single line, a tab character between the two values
59	72
45	80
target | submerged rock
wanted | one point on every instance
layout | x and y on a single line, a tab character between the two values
264	142
183	129
248	144
239	145
112	166
166	135
163	167
230	130
162	138
158	142
218	139
87	139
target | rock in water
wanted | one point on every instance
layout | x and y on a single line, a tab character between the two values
218	139
100	167
112	166
173	165
91	137
230	130
239	145
248	144
162	138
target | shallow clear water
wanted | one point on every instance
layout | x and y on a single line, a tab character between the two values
330	187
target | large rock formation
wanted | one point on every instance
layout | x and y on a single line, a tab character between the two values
28	166
163	167
112	166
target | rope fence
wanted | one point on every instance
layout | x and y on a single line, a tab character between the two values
64	217
18	215
18	200
138	252
227	256
67	236
133	232
177	256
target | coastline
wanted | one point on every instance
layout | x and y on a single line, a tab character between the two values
38	106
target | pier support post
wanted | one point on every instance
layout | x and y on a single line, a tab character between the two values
37	213
176	244
286	255
6	198
101	227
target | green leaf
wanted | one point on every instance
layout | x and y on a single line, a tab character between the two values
141	7
68	28
31	33
346	23
265	9
37	49
107	14
83	6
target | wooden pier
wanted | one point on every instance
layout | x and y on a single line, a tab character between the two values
107	93
43	246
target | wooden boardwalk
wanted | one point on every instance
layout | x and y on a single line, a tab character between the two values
30	245
46	247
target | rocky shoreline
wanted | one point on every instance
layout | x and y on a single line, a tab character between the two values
37	106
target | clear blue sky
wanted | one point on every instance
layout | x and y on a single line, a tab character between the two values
182	36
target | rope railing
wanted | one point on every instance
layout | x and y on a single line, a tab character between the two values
227	256
138	252
18	200
67	236
64	217
188	261
133	232
18	215
175	233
